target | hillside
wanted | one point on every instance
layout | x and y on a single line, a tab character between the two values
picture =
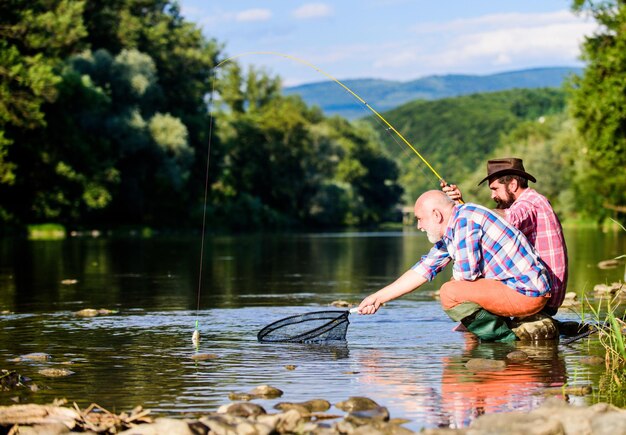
384	95
455	135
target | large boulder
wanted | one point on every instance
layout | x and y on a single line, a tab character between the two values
537	327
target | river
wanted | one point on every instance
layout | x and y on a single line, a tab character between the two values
406	357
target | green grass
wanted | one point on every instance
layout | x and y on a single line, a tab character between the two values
612	333
46	232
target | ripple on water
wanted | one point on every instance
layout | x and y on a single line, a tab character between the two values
406	357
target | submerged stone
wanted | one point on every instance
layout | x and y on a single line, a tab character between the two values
266	391
241	396
582	390
367	416
357	404
537	327
482	364
203	356
55	373
36	356
592	360
517	355
92	312
315	405
242	409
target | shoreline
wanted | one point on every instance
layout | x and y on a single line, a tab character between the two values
359	415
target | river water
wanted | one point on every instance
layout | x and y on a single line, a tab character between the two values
406	357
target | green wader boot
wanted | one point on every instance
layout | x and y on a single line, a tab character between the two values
485	325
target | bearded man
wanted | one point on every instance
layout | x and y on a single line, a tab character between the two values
532	214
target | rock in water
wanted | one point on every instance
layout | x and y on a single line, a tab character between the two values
482	364
55	373
354	404
537	327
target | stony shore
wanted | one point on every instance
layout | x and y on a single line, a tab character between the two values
359	415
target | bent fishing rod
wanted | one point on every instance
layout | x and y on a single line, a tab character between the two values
441	180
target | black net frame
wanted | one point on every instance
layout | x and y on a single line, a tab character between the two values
317	326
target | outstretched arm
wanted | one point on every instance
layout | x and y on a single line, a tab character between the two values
406	283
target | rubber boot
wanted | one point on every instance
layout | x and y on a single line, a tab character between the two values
489	327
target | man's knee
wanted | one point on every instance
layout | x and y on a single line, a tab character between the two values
448	296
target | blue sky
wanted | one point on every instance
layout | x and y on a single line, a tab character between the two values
393	39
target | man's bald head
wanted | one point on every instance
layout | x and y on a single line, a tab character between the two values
433	200
433	210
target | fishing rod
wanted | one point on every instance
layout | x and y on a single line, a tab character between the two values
440	179
347	89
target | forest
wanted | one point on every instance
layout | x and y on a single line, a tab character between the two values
115	114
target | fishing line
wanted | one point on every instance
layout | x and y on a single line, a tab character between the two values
379	118
394	138
347	89
195	338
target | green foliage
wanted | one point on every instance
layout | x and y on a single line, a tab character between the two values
111	132
455	135
46	231
599	106
551	149
35	36
104	121
612	332
305	167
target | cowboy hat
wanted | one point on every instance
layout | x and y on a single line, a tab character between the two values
507	166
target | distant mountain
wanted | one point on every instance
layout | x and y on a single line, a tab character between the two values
384	95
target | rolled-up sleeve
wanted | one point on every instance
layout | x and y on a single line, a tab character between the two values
433	262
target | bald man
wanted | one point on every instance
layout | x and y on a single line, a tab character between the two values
497	274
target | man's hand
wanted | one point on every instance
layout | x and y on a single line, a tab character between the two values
370	304
453	192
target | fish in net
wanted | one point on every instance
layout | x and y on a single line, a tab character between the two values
318	326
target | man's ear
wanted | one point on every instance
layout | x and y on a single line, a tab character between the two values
513	185
438	216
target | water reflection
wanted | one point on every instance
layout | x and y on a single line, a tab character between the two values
406	357
467	394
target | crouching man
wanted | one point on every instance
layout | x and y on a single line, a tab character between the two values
497	274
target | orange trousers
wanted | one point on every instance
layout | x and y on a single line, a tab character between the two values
492	295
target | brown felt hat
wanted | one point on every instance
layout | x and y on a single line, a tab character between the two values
508	166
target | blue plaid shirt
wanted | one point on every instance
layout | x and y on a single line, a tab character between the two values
483	245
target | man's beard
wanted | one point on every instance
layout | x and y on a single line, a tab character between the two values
432	237
506	203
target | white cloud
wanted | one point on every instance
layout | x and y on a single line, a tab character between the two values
490	41
498	21
254	15
312	10
557	41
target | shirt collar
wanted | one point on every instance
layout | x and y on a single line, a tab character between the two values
449	233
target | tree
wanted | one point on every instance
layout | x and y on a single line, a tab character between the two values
116	133
34	37
599	107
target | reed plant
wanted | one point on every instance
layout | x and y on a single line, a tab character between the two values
611	331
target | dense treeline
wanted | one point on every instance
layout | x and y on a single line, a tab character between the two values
104	121
111	110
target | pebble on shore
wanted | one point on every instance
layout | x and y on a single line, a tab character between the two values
555	416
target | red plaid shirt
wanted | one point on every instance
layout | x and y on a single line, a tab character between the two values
532	214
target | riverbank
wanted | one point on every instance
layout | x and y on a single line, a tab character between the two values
359	416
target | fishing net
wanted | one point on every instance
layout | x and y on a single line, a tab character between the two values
318	326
